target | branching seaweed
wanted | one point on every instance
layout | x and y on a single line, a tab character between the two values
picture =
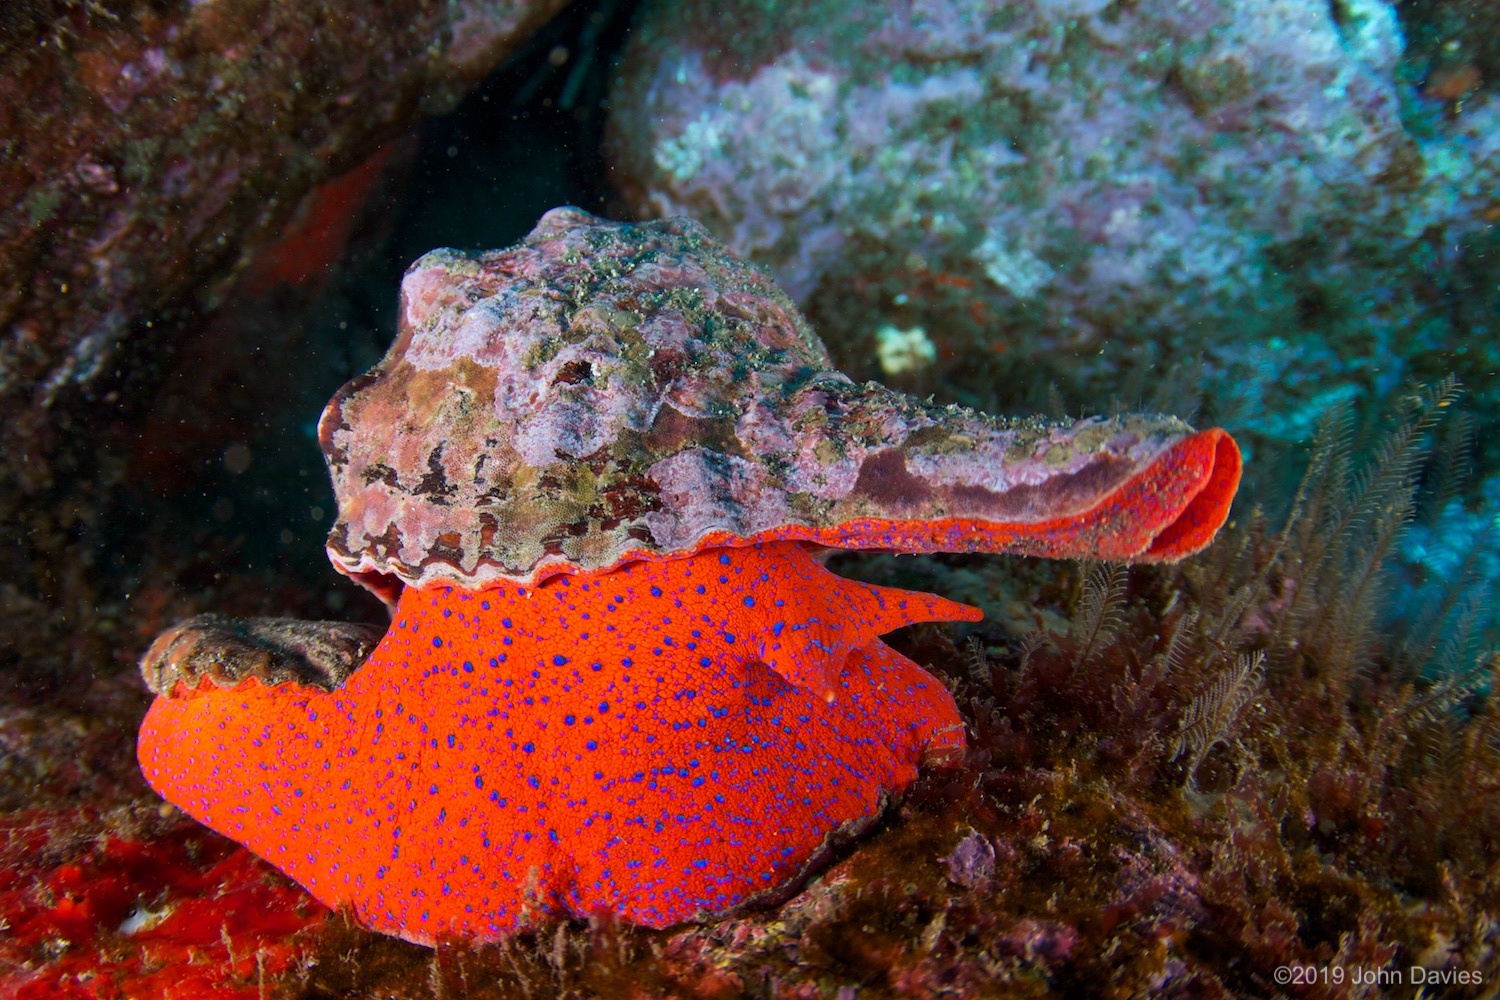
1214	716
1100	608
1362	765
1343	529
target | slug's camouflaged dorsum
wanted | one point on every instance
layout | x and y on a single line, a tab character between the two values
587	477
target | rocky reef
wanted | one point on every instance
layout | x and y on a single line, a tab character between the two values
159	160
1185	780
957	193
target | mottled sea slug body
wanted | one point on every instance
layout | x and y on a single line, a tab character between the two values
588	477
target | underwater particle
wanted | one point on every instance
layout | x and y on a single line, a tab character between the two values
237	458
587	478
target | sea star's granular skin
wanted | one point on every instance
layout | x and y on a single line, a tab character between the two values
668	739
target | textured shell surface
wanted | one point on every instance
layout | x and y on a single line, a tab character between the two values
603	392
